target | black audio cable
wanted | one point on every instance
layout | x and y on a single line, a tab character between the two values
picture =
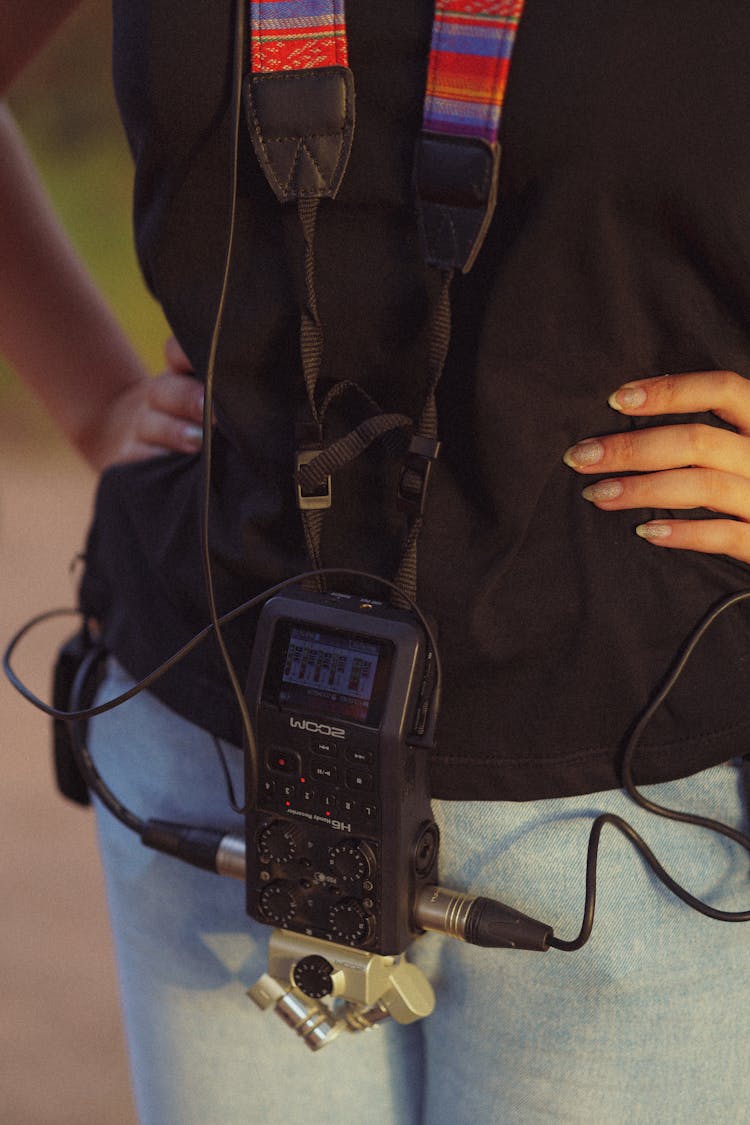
628	831
82	714
475	919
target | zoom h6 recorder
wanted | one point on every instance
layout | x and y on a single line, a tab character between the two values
342	838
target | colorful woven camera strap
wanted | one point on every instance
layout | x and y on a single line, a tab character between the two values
470	54
472	45
297	34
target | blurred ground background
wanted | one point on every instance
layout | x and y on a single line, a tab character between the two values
62	1059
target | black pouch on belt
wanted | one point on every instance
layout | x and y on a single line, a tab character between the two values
69	779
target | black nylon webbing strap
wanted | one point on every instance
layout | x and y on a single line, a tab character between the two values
302	123
314	472
424	447
311	329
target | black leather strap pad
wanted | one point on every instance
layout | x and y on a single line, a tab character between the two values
455	180
302	123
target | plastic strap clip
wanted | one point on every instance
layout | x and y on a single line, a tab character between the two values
309	447
415	475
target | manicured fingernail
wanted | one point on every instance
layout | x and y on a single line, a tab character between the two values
603	490
654	530
587	452
627	398
193	435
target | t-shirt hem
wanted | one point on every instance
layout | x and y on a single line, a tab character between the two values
470	778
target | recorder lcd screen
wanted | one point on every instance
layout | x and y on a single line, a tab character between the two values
334	674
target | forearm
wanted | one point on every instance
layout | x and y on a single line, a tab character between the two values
55	328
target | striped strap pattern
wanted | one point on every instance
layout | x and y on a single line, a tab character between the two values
472	44
297	34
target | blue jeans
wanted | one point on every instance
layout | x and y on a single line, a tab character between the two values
649	1022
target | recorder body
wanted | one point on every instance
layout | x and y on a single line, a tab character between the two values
341	837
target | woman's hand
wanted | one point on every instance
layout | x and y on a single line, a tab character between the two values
60	336
150	417
680	466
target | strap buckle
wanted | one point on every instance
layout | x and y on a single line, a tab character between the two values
415	475
315	497
318	497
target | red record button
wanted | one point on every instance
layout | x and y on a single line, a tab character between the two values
285	761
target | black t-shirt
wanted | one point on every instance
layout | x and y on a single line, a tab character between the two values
620	248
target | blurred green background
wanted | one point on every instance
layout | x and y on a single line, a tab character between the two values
65	107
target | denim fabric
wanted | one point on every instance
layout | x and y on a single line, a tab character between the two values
647	1023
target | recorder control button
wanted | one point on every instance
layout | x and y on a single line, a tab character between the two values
350	922
361	756
322	770
278	902
282	760
369	812
328	746
361	780
279	841
350	862
328	802
314	976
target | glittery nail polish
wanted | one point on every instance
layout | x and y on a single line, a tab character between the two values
603	490
586	452
654	530
627	398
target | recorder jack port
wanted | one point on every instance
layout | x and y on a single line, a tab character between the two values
426	849
351	861
279	842
350	923
278	902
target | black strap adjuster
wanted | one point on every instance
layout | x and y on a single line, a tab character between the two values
415	475
312	495
318	497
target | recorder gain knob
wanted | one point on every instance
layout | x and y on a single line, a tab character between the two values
278	842
351	862
314	976
349	922
278	902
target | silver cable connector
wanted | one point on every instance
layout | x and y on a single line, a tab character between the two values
230	857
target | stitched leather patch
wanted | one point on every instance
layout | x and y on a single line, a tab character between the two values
455	180
302	124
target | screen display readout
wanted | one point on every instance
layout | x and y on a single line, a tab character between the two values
334	675
337	664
